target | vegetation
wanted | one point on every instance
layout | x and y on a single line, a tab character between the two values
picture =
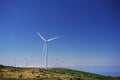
16	73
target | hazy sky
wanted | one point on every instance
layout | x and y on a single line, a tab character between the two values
89	32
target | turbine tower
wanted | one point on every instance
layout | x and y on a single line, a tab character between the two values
45	48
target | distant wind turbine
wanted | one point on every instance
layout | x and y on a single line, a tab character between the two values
14	61
45	48
26	59
57	61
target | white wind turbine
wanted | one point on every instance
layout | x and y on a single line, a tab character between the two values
26	59
14	61
45	47
57	62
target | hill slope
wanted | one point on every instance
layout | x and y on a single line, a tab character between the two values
16	73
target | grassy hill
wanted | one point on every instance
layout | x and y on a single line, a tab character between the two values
17	73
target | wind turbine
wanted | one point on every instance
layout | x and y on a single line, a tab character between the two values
45	47
26	59
57	62
14	61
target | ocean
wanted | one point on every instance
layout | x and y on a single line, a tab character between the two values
106	71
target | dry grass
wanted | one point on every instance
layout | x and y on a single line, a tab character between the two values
15	73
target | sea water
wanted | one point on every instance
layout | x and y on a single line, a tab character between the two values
106	71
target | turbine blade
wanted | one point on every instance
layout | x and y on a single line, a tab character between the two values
52	39
41	36
43	52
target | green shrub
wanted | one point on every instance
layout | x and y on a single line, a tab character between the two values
16	69
1	66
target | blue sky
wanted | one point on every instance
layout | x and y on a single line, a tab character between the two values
88	29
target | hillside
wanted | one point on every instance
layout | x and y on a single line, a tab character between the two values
16	73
